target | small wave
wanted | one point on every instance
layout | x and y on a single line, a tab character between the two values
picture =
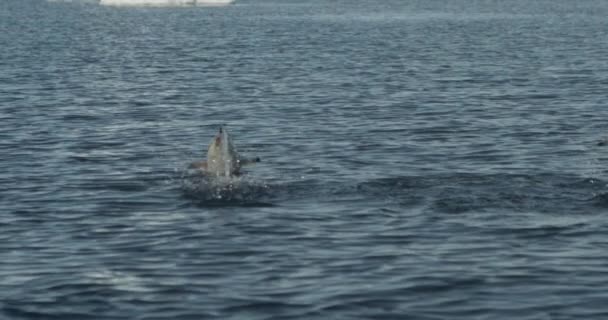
165	3
600	200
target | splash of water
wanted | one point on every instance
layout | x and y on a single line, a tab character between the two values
219	190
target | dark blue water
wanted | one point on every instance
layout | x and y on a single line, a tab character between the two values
420	160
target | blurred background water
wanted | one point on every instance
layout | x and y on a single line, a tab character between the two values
420	160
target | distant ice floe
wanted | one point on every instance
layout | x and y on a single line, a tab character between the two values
165	3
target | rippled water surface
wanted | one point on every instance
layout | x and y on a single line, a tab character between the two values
420	160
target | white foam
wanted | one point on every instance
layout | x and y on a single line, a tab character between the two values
165	3
119	280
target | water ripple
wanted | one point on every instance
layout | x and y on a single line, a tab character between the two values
421	160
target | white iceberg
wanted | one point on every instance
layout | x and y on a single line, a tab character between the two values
165	3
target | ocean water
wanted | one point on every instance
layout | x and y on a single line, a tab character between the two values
420	160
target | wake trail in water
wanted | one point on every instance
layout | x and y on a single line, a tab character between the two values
450	193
